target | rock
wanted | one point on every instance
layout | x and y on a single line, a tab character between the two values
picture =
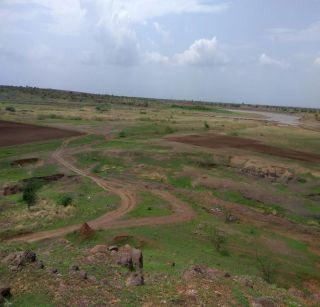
98	249
17	261
201	271
83	275
295	292
130	257
231	218
263	302
39	265
113	248
54	271
135	279
124	257
137	258
92	279
74	268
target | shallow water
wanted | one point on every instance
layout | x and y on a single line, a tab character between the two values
280	118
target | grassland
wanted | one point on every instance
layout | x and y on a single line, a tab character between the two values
277	219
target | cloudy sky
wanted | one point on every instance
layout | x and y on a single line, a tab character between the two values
255	51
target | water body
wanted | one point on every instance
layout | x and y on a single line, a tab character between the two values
280	118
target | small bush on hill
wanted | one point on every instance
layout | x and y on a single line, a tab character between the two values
65	200
10	109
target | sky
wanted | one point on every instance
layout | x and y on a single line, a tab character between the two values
250	51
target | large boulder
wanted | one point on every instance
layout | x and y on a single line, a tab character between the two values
130	257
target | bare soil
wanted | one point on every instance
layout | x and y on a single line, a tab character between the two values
12	133
221	141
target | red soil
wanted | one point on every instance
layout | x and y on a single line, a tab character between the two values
12	133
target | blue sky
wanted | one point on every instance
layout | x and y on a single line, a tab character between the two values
254	51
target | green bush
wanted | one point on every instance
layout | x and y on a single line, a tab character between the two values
10	109
29	192
65	200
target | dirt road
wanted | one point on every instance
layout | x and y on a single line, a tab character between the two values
181	211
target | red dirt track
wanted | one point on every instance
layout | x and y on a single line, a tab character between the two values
222	141
12	133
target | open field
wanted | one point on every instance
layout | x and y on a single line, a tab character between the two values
224	223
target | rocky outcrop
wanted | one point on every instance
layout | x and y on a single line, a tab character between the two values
271	173
130	257
17	261
263	302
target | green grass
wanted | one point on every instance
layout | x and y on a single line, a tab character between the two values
150	205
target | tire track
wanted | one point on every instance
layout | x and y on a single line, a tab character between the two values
181	211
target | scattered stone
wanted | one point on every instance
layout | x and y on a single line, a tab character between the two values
295	292
201	271
135	279
113	248
83	275
98	249
92	279
263	302
74	268
230	218
39	265
54	271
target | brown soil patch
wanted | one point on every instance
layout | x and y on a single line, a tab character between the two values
221	141
12	133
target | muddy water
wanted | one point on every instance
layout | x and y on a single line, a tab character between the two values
280	118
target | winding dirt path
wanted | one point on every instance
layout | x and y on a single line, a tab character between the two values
181	211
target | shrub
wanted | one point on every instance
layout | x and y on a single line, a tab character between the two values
218	240
122	134
65	200
267	268
10	109
29	192
206	125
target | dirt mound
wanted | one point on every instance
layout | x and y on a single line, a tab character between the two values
86	231
17	133
222	141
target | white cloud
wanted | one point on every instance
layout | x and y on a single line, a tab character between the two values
111	22
317	61
266	60
157	58
203	52
308	34
162	32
